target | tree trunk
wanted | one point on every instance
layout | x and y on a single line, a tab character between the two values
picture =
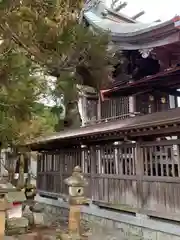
72	117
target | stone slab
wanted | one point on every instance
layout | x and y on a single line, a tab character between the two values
17	223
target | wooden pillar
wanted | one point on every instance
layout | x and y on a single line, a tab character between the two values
118	164
93	159
100	170
83	160
139	173
99	160
82	104
132	104
172	101
139	159
176	101
99	109
93	169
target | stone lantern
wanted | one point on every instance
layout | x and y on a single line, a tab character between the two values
76	184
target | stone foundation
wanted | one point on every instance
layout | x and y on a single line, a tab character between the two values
108	225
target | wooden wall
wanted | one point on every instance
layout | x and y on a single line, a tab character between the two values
135	177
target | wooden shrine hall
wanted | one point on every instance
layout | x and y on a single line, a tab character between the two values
129	146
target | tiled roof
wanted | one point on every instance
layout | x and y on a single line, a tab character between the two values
126	33
139	122
122	29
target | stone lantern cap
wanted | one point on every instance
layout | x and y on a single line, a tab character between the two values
77	179
6	187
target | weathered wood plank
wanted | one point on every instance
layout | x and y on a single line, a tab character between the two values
143	177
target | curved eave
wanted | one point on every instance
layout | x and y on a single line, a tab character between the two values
124	30
135	35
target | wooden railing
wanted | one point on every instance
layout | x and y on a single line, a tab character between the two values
134	177
54	167
108	110
119	108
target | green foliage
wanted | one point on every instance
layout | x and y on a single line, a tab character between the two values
50	35
46	118
20	90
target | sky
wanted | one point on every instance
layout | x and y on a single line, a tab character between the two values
155	9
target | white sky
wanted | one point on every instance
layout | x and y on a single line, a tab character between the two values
155	9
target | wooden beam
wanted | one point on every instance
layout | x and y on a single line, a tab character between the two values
158	20
138	15
157	132
120	6
143	92
167	90
114	3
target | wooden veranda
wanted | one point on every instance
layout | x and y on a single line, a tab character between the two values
132	165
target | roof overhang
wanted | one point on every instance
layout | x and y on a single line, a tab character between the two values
161	123
150	83
136	35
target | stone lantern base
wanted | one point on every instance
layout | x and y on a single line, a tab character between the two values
74	219
16	226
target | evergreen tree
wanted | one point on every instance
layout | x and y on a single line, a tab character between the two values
50	35
20	91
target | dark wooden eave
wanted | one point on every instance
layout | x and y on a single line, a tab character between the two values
167	81
157	124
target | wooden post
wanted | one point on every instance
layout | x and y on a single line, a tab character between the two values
83	159
172	101
82	109
139	173
99	109
99	160
92	169
118	164
132	104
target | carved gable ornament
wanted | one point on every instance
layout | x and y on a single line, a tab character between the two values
145	52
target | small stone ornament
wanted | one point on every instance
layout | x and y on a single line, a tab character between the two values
76	184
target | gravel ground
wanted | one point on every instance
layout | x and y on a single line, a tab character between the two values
50	233
40	234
